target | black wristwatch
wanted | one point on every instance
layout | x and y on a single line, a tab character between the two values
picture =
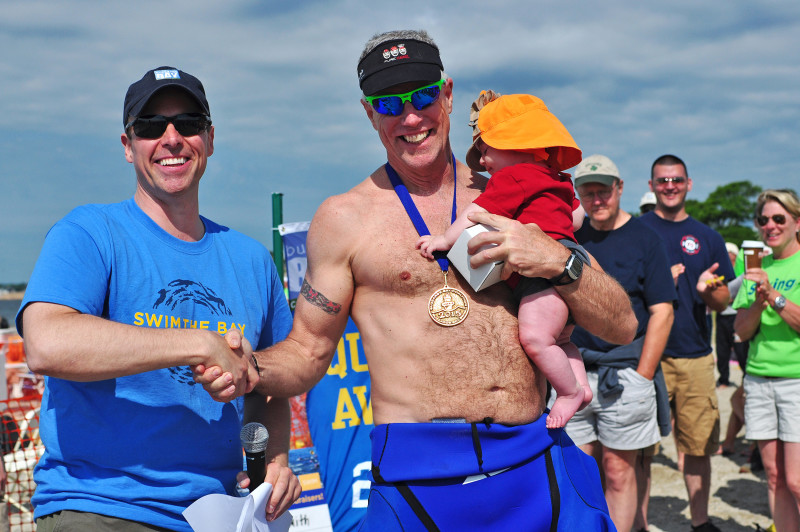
572	271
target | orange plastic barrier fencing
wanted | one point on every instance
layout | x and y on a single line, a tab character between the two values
22	448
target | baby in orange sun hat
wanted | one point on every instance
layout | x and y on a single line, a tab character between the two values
524	147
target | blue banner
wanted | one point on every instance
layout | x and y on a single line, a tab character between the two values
338	408
294	251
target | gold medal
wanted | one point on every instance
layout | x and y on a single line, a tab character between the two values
448	306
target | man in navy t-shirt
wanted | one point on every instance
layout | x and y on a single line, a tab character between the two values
622	416
701	269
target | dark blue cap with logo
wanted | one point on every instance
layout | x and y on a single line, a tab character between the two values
139	93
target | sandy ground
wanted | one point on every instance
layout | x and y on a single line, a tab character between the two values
738	499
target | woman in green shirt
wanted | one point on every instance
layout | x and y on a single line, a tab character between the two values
769	316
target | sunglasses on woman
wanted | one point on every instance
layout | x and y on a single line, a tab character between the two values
153	126
392	104
777	218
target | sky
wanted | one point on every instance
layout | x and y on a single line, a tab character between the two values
714	82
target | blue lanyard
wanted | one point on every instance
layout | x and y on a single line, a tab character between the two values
412	211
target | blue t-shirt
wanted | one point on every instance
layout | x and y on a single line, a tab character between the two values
635	256
697	247
144	447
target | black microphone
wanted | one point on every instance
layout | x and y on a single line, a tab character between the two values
254	438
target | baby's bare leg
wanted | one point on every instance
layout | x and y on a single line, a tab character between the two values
576	363
541	325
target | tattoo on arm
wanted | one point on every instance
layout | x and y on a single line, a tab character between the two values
317	299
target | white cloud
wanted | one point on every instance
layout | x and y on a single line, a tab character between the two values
714	82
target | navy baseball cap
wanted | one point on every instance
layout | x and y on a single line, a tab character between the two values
397	61
139	93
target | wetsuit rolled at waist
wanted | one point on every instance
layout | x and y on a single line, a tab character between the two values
482	476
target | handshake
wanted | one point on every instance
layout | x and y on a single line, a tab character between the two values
230	370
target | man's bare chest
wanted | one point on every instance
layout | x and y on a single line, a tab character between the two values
387	261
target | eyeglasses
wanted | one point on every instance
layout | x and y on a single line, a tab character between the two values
777	218
603	194
661	181
153	126
392	104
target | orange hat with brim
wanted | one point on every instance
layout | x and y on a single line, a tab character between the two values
523	122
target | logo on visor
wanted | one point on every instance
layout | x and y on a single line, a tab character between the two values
166	74
395	52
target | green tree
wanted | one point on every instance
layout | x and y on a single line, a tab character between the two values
729	210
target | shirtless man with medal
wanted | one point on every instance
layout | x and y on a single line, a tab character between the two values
439	393
447	306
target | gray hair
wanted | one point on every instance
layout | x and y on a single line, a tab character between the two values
444	77
378	38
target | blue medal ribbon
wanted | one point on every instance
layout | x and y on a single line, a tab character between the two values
413	213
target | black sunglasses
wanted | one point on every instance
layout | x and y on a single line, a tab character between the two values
777	218
153	126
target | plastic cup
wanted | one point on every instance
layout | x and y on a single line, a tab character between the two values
751	250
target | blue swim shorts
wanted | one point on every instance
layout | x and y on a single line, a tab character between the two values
482	476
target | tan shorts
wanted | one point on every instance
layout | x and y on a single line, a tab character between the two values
650	451
693	400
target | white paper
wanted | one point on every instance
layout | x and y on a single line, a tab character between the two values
223	513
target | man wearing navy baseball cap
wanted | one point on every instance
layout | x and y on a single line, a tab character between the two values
140	92
125	300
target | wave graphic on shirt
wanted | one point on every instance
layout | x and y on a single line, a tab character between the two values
180	292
